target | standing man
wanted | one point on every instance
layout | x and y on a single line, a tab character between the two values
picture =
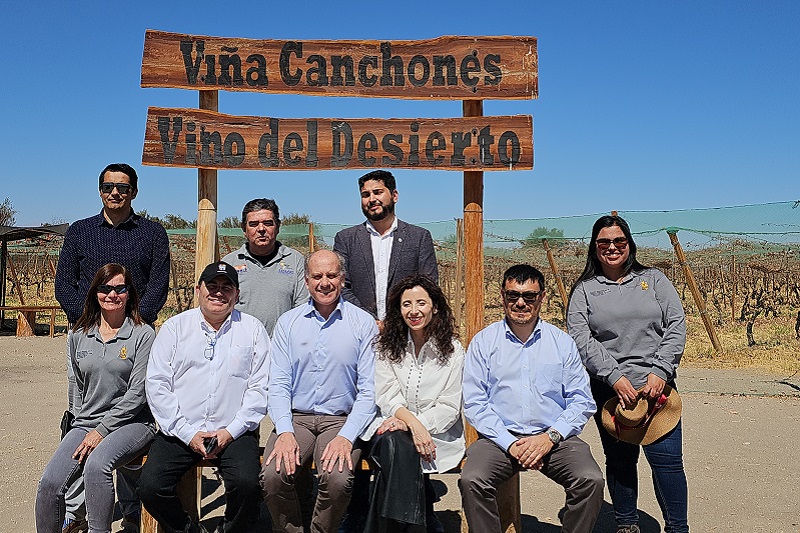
207	388
527	395
271	275
383	249
115	235
321	398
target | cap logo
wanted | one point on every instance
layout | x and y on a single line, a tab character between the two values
221	267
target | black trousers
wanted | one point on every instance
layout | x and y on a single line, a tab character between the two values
169	459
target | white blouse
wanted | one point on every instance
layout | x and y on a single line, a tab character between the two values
432	392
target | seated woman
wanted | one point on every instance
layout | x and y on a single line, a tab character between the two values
108	351
418	391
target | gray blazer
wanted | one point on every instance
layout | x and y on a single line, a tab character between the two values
412	253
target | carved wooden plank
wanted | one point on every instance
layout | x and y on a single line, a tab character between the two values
206	139
451	67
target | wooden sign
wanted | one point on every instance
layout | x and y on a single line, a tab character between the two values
206	139
457	68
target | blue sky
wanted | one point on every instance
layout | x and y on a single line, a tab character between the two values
643	105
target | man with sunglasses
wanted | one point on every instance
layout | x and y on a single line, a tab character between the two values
207	389
115	235
527	395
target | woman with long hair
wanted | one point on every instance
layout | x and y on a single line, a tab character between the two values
629	325
108	352
418	373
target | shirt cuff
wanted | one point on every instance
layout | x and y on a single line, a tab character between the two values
102	430
505	440
236	428
284	425
658	371
614	377
565	429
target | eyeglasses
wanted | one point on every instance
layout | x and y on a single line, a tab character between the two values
106	289
211	342
529	296
107	187
619	242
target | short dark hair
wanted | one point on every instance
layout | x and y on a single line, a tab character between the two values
260	204
379	175
125	169
522	273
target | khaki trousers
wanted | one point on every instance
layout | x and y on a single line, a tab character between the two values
313	433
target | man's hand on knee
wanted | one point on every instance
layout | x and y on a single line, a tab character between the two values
287	451
338	450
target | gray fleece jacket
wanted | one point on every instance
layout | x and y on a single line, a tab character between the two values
630	329
110	377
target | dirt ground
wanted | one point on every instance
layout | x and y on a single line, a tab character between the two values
741	432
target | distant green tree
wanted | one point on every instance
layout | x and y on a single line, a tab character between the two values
7	213
230	222
173	221
295	240
535	237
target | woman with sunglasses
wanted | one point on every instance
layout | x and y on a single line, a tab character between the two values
418	391
108	351
629	325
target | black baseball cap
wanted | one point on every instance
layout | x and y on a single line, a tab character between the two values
220	268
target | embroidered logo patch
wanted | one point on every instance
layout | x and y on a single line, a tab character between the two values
284	269
123	352
644	285
240	269
600	292
82	353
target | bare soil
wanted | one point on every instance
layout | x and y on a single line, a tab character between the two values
741	431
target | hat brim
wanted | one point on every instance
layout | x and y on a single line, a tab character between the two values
659	425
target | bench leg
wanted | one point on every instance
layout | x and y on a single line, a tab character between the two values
26	322
189	494
52	323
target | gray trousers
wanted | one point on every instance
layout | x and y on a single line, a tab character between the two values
116	449
313	433
570	464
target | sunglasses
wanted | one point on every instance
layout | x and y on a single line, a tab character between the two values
106	289
619	242
529	297
107	187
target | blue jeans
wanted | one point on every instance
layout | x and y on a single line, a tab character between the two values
116	449
665	457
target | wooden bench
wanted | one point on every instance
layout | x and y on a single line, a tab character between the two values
26	317
189	494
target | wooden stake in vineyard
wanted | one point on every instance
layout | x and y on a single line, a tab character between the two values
698	298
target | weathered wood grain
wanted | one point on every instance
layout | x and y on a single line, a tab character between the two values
451	67
204	139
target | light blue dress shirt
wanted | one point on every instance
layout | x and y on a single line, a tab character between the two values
323	367
514	387
199	379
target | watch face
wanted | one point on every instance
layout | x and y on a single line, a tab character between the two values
555	437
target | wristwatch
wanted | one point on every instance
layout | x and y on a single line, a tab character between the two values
555	436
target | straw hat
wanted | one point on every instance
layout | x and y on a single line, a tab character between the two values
646	421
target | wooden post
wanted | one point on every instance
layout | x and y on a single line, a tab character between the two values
206	248
554	267
3	255
733	283
175	284
698	298
459	276
15	280
508	493
311	242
